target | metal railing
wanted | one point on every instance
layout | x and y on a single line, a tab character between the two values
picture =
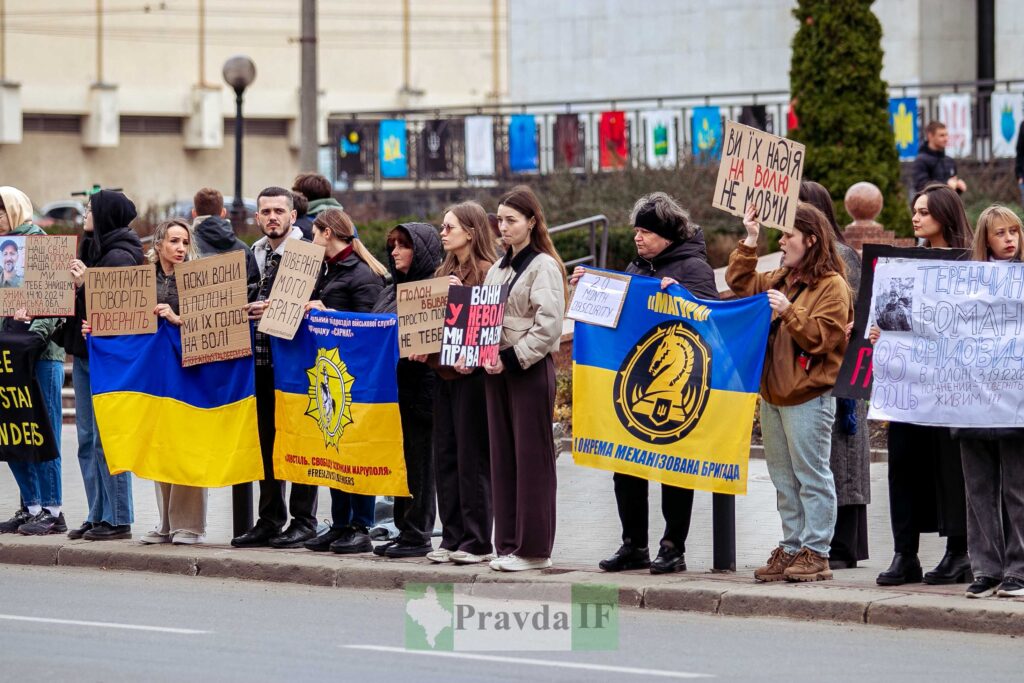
598	255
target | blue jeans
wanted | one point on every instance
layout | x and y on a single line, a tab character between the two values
797	446
351	508
109	496
39	482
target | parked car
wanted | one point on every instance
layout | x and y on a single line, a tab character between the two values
68	212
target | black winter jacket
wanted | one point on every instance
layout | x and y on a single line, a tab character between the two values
214	235
931	166
685	262
348	285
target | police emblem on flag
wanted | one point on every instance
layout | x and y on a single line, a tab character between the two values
330	395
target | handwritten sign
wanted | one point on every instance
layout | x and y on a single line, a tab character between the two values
121	300
211	295
472	327
34	274
296	277
598	298
421	313
761	169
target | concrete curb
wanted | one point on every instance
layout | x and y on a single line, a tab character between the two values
703	593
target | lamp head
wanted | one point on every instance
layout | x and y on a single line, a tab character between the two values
239	72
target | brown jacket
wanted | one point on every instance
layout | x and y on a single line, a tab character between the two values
815	324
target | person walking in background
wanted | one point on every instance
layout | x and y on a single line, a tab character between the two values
212	234
811	303
932	165
317	191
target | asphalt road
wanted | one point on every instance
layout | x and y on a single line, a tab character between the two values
82	625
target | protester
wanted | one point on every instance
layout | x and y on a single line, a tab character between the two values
932	165
520	386
214	235
926	483
462	460
1018	162
351	280
850	460
670	247
274	215
993	458
811	303
39	483
107	242
317	191
414	253
303	221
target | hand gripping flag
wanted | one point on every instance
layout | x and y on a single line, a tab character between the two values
669	394
194	426
336	397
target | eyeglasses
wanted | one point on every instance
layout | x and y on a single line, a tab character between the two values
447	227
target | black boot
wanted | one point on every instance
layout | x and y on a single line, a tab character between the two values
905	568
322	543
670	559
294	536
952	568
625	558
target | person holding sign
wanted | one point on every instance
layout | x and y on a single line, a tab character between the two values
351	280
812	305
926	480
520	386
108	242
39	483
669	247
414	253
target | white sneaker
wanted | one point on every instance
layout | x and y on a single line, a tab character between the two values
154	537
463	557
440	555
496	563
187	538
518	564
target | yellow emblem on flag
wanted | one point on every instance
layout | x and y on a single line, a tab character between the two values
330	395
903	126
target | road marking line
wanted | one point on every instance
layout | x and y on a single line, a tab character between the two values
533	662
104	624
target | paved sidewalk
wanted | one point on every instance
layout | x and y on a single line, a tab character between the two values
588	531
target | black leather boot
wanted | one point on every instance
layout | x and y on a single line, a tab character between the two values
625	558
952	568
905	568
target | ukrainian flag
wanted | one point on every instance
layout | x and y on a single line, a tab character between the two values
194	426
669	394
336	395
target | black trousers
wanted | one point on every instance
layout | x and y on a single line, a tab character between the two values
676	507
272	510
850	539
414	516
462	461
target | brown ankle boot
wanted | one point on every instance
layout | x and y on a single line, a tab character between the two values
808	566
777	563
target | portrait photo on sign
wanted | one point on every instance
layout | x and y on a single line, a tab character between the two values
12	261
893	308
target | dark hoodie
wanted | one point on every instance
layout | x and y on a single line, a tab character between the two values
685	262
214	235
931	166
110	244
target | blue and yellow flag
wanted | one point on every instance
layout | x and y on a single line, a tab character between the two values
194	426
337	404
669	394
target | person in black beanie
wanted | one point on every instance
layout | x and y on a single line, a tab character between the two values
670	247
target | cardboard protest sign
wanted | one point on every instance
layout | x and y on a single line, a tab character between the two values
421	313
212	299
761	169
472	328
121	300
34	275
296	277
598	298
854	380
25	431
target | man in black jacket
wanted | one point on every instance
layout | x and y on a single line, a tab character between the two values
932	165
214	234
1018	165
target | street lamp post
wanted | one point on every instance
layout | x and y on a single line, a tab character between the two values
239	73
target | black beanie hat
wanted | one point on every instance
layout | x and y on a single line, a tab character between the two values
647	218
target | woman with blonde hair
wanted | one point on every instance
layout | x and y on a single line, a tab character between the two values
997	237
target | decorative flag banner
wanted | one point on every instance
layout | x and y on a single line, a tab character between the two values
660	138
194	426
955	112
950	353
479	145
755	116
706	133
903	119
25	431
611	136
472	327
436	143
761	169
522	143
1006	118
393	149
350	150
669	394
34	274
336	397
569	142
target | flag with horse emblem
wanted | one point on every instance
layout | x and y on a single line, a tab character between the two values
669	394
